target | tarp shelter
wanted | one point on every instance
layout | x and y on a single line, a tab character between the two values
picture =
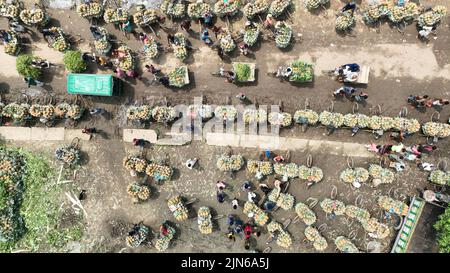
93	84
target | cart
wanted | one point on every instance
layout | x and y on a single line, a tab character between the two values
251	77
178	208
204	220
296	71
176	81
363	75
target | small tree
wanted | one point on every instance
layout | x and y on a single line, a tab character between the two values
443	229
24	67
73	62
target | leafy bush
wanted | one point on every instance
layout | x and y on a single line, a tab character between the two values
24	67
73	62
443	229
11	190
35	223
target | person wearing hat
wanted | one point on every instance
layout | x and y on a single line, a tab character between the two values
268	23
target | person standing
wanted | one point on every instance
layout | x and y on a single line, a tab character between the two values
349	6
186	25
140	142
246	186
221	185
231	236
190	163
17	27
440	102
265	189
235	203
97	111
426	166
220	196
133	74
425	32
251	197
241	96
143	37
89	131
268	23
30	81
426	148
152	69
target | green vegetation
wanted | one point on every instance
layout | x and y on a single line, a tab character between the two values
43	227
242	71
443	229
73	62
24	67
301	72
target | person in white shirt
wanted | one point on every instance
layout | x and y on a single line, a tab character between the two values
235	203
190	163
426	166
425	32
251	196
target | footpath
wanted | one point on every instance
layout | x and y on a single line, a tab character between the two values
261	142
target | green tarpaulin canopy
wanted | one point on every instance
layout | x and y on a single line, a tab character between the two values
90	84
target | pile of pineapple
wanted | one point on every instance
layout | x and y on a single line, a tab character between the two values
34	17
331	119
305	214
177	207
391	205
222	9
278	7
139	113
138	192
163	241
115	15
436	129
432	17
173	8
204	220
12	47
151	48
226	112
313	235
180	49
144	17
10	11
345	21
283	34
284	239
232	163
330	206
253	211
61	44
127	62
159	172
315	4
345	245
68	155
138	237
255	8
283	200
197	10
90	10
263	168
164	114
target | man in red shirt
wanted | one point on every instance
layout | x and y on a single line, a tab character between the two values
247	231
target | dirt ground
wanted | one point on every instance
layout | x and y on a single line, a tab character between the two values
401	65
